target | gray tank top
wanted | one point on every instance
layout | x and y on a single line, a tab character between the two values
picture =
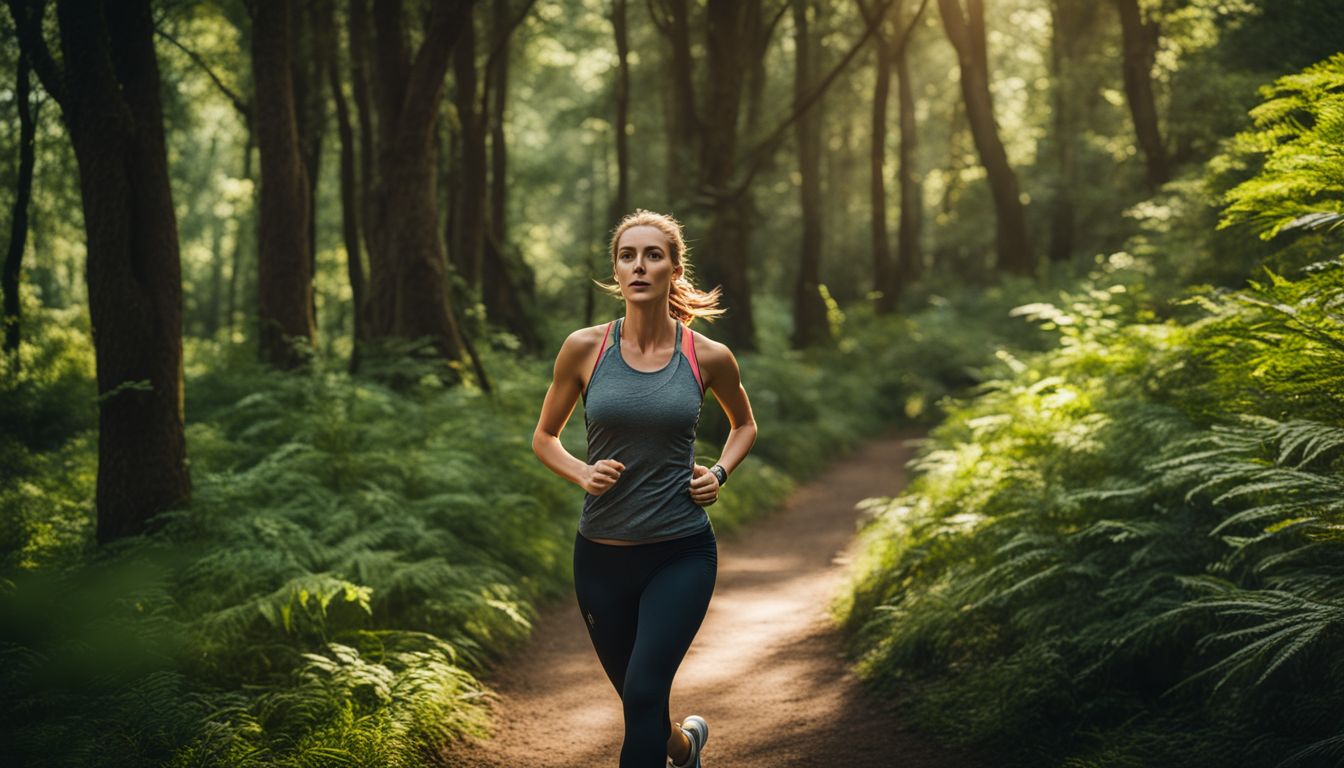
646	421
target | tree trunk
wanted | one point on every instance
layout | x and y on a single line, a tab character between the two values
1062	128
497	79
18	223
468	243
284	275
507	286
967	34
673	19
909	260
313	39
408	278
1140	47
210	326
621	203
810	326
724	254
359	90
245	223
877	182
349	208
108	87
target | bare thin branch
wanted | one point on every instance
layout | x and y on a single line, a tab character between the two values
239	104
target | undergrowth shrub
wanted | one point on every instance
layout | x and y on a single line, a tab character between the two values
1127	550
355	556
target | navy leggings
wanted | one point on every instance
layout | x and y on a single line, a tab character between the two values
643	604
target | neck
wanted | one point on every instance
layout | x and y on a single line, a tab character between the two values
648	325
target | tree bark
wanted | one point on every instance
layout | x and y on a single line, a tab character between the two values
673	19
726	239
108	87
810	325
284	272
889	277
312	56
244	223
1062	127
1140	47
507	288
359	90
909	259
18	223
877	183
620	204
349	208
468	236
967	34
408	278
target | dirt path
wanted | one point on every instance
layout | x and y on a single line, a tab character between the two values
765	670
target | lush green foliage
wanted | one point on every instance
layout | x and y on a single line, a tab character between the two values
1126	550
355	557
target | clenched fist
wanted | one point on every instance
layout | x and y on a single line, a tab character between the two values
601	475
704	486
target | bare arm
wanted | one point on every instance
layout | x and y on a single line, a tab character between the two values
723	377
561	397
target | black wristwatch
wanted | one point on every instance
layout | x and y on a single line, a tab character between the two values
720	473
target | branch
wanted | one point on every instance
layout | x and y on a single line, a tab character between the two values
498	47
28	18
914	20
769	30
767	146
664	24
243	107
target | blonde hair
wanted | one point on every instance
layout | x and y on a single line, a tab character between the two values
685	301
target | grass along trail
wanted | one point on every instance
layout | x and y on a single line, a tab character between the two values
766	669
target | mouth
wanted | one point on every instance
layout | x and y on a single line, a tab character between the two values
639	284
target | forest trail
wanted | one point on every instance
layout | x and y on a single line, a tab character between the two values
765	670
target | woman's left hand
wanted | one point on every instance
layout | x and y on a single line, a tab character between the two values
704	486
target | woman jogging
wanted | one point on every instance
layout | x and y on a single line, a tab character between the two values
645	556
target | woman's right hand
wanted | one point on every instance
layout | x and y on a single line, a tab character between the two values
600	476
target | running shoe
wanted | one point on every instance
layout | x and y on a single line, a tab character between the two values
697	730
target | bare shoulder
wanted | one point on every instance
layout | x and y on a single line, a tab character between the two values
579	352
585	339
715	359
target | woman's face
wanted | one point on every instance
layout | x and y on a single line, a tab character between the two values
644	267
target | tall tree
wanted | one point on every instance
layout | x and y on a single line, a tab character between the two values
350	209
719	198
18	223
620	204
409	292
507	287
1072	32
312	36
810	326
467	243
966	30
673	20
284	272
891	52
909	260
1140	37
107	85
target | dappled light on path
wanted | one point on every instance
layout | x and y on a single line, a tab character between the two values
765	670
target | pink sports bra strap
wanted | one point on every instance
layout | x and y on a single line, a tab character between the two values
600	350
688	351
